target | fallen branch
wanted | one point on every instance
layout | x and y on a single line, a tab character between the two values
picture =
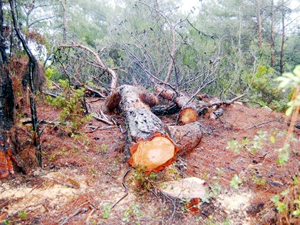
49	94
71	184
126	189
227	102
94	91
103	119
93	128
198	91
261	124
247	101
79	210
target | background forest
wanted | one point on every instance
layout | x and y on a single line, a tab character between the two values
239	45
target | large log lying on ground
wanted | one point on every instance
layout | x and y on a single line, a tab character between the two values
152	144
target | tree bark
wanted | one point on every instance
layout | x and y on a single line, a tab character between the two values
259	34
64	25
272	35
33	78
151	143
6	106
282	38
3	58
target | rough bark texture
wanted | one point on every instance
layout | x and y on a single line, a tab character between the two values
272	35
134	102
186	137
152	144
282	40
33	73
259	34
6	121
6	107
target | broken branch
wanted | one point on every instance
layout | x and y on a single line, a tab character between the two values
125	187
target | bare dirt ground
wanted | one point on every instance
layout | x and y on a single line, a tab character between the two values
82	174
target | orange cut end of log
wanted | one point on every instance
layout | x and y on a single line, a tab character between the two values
188	115
152	154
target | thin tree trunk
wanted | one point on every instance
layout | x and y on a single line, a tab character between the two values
259	35
63	3
272	35
282	39
2	41
33	64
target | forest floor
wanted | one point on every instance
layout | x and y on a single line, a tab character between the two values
82	174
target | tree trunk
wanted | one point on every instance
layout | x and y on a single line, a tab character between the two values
6	106
33	83
64	24
3	58
272	35
152	144
259	35
282	39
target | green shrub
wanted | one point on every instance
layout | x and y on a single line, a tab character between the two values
70	100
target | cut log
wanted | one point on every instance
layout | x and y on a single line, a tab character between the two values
152	144
189	110
186	137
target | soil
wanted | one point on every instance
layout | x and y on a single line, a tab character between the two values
83	173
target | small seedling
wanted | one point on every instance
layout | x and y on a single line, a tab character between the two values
226	222
235	182
23	214
215	189
104	148
132	211
106	212
258	180
6	222
233	145
280	206
283	154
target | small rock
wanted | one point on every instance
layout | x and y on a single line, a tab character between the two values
36	173
190	187
254	209
267	108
